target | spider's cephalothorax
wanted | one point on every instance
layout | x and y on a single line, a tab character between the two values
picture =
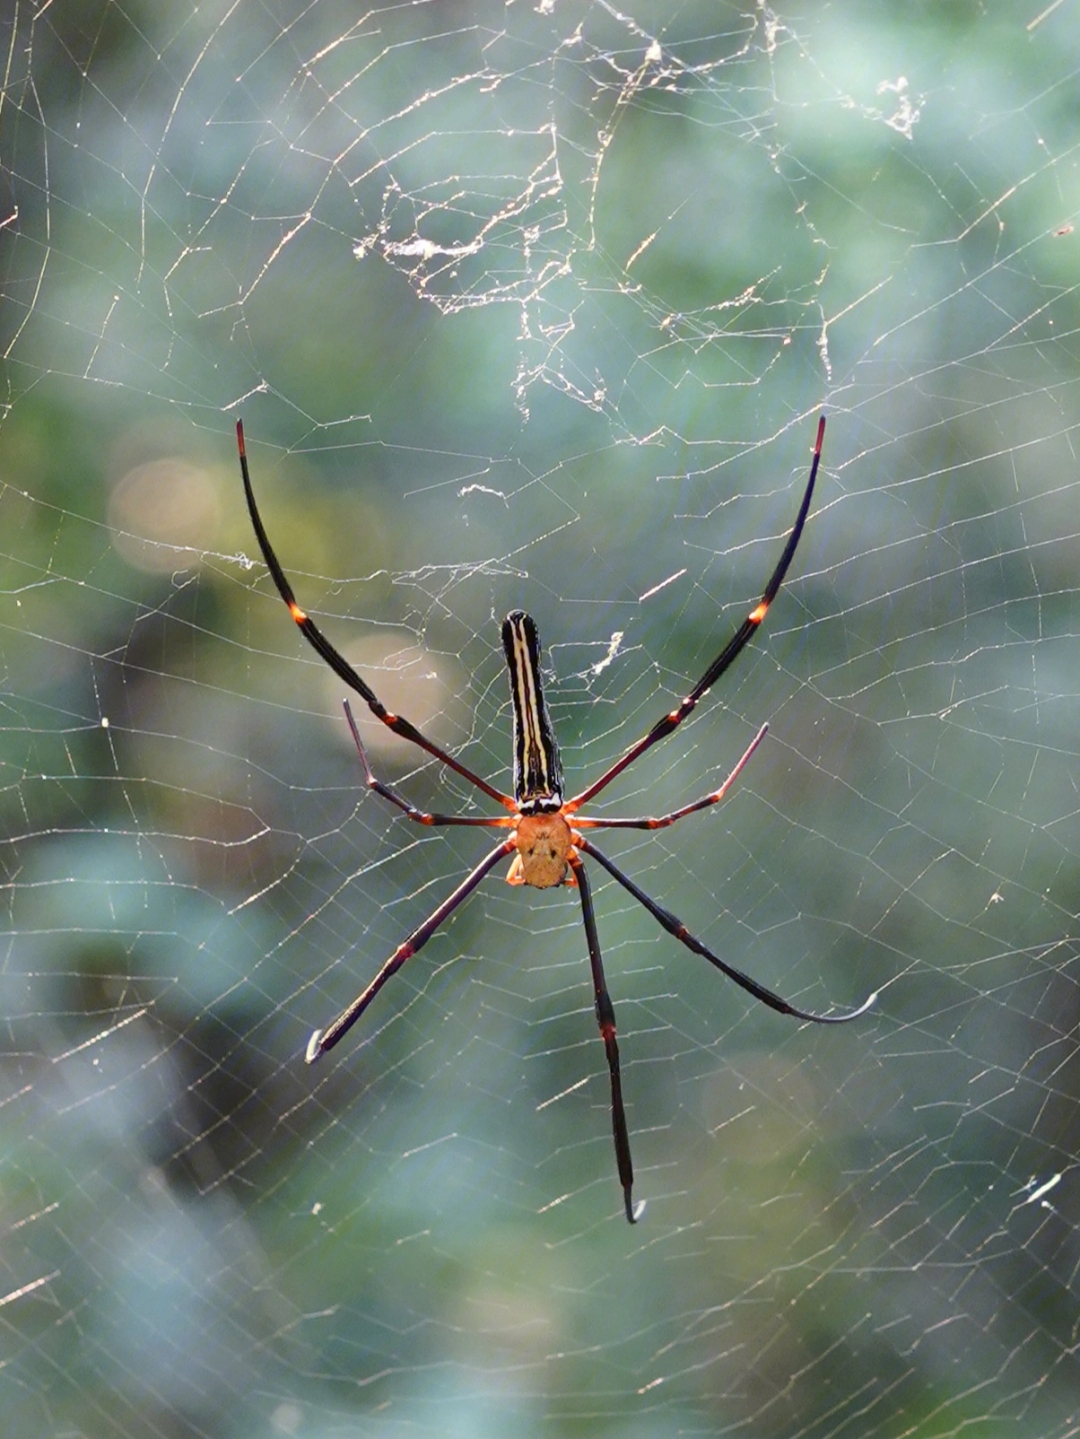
546	838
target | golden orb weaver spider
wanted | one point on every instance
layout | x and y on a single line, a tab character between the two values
546	835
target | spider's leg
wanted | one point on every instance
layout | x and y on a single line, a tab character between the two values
727	655
605	1018
665	819
419	815
337	662
324	1039
675	926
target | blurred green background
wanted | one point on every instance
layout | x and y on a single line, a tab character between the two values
537	306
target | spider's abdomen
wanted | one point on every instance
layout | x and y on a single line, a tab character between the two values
538	777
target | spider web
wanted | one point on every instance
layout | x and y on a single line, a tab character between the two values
537	306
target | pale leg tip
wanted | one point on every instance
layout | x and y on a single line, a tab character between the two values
314	1049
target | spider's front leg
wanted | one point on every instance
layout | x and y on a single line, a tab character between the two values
324	1039
605	1018
675	927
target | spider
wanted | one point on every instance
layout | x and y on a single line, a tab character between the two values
547	836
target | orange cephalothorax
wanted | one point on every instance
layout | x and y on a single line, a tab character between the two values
543	845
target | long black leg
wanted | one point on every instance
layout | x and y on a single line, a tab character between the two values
337	662
727	655
605	1018
664	820
675	926
419	815
324	1039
